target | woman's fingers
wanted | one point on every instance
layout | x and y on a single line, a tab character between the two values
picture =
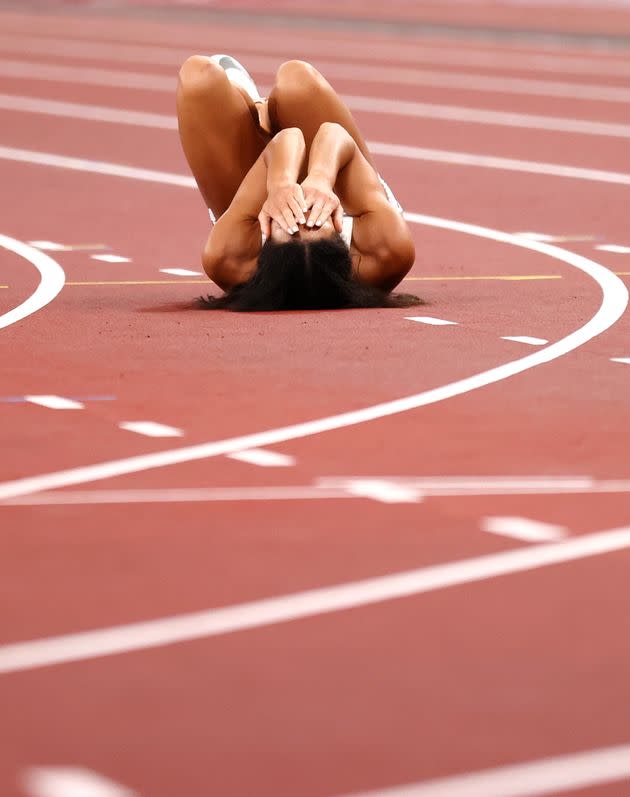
337	218
297	209
265	223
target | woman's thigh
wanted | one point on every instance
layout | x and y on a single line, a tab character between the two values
220	138
302	97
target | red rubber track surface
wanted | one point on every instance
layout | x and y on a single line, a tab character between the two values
502	671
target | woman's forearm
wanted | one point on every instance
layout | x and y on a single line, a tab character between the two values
331	150
284	157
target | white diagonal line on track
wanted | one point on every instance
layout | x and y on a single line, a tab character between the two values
114	640
92	49
444	113
363	73
528	779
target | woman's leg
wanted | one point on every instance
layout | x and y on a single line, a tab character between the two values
302	97
219	136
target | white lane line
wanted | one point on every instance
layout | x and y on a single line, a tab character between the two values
377	147
52	246
151	429
55	402
521	528
263	457
51	283
492	162
426	319
455	113
47	246
622	250
625	360
383	490
410	489
49	651
181	272
529	779
181	495
168	56
614	303
525	339
381	74
421	110
70	782
111	258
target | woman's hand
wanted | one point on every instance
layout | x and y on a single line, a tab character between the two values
286	205
323	203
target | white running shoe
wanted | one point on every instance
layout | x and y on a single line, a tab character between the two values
238	75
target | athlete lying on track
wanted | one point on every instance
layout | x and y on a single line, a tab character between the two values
295	167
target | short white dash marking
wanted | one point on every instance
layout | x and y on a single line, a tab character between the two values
522	528
111	258
264	458
525	339
426	319
621	250
536	236
70	782
47	246
181	272
151	429
625	360
55	402
387	492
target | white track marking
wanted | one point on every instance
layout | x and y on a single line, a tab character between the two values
335	487
614	303
266	459
151	429
414	53
181	272
381	74
281	609
625	360
622	250
55	402
379	148
421	110
548	776
492	162
52	280
383	490
525	339
180	495
454	113
47	246
537	236
425	319
70	782
111	258
521	528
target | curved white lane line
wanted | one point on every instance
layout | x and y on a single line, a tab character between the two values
300	605
52	280
614	302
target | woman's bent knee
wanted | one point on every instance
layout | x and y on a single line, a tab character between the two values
198	74
297	76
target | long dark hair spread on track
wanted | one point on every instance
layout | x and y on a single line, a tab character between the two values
304	275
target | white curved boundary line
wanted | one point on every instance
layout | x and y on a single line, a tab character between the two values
300	605
614	302
52	280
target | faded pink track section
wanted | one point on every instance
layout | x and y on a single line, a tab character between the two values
495	673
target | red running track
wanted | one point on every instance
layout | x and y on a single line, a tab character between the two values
519	661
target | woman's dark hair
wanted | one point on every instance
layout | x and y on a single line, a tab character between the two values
304	275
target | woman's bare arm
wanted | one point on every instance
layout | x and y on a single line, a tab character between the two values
233	246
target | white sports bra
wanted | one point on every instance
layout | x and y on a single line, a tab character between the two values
347	221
